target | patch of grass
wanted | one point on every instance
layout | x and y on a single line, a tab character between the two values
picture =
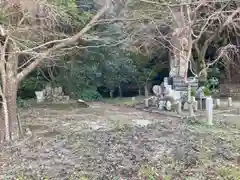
116	123
229	173
148	172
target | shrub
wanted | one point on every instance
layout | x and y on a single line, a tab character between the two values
90	94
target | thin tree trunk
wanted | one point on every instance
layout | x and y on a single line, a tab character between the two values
11	100
10	107
139	91
146	89
111	93
7	134
120	91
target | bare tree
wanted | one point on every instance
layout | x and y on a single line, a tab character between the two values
31	29
185	27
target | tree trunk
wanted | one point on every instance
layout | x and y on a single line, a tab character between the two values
139	91
120	91
11	99
9	107
181	43
111	93
146	89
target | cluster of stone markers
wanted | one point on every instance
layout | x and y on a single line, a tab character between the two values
176	95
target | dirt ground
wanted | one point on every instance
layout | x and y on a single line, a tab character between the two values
107	142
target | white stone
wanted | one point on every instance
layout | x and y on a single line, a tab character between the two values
168	105
191	112
229	102
195	105
193	98
157	90
133	98
209	110
161	105
40	96
165	81
185	106
177	95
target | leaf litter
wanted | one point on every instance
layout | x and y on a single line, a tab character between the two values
108	142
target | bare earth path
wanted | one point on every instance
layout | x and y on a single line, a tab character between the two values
109	142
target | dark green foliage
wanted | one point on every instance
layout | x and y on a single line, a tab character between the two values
90	94
34	82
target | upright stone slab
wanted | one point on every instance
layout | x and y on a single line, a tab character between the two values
209	110
193	98
190	107
229	102
157	90
165	81
179	107
161	105
40	96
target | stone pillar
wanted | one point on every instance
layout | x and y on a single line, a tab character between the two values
190	102
179	107
209	110
229	102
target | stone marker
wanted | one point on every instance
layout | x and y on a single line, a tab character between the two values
168	105
161	105
193	98
185	106
40	96
179	107
209	110
190	105
229	102
195	105
133	98
157	90
217	103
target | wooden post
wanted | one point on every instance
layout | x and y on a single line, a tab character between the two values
209	110
229	102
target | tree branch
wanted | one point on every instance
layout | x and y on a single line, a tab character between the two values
62	43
